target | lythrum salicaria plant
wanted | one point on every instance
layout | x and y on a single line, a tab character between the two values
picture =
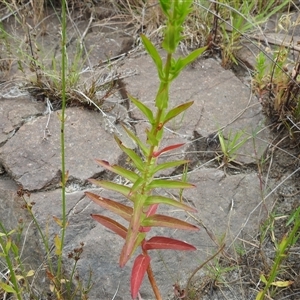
141	214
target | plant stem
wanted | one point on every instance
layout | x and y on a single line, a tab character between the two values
199	268
45	242
62	137
153	283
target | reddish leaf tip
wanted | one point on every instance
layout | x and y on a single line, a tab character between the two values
139	269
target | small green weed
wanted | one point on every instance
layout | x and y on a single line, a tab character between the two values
217	271
230	146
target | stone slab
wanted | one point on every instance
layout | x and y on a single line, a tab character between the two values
15	110
35	162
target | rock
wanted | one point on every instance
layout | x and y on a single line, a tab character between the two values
33	158
16	108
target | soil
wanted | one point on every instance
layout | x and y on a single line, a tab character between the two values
231	275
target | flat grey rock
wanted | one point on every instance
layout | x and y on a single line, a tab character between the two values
15	111
35	162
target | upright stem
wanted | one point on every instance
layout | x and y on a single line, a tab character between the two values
153	283
155	129
62	137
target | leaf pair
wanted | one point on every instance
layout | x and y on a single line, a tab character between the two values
176	65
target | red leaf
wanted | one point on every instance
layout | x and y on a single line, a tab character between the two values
166	149
116	207
111	224
166	221
161	242
139	269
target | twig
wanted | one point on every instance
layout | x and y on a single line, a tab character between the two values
200	267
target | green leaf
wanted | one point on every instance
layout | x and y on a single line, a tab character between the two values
136	186
282	284
166	221
168	201
150	48
170	184
120	188
130	175
7	288
183	62
111	224
120	209
174	112
222	142
143	108
166	6
260	295
8	245
263	279
134	157
133	136
57	243
170	164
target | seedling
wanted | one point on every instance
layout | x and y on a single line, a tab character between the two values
141	215
230	146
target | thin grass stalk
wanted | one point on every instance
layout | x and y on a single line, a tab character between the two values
44	239
62	136
9	263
